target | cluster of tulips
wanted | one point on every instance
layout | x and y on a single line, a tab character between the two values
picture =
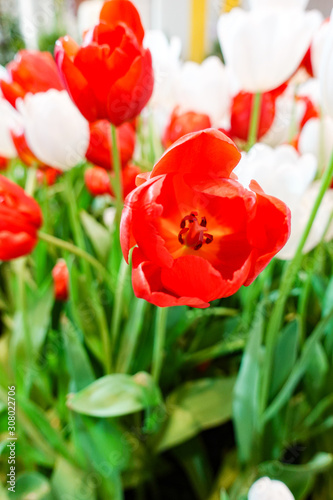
199	174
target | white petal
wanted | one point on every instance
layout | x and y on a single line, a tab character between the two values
257	44
55	130
9	120
205	88
326	71
281	172
299	218
317	138
267	489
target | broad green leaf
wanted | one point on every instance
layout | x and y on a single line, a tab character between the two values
224	495
116	395
298	478
32	485
284	357
68	482
246	396
99	236
194	407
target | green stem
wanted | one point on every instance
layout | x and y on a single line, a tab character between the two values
117	183
255	119
22	306
31	181
159	341
69	247
119	299
287	282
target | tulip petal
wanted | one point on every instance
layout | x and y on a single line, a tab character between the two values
122	11
147	284
208	154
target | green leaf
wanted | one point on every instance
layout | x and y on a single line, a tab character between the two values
246	396
78	363
32	485
83	308
105	451
68	481
193	407
39	312
40	421
316	372
285	356
116	395
99	236
298	478
194	460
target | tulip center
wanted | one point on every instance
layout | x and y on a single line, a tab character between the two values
194	234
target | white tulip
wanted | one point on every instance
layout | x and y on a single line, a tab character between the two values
55	130
317	47
317	138
326	71
299	220
205	88
269	489
166	65
281	172
264	47
10	120
288	114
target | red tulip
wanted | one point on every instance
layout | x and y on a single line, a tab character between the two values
20	219
3	163
241	111
110	76
48	175
60	276
181	124
98	182
310	110
100	146
31	71
200	234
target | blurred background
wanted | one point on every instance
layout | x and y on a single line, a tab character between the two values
38	23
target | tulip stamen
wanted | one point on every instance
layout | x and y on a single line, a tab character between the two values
194	236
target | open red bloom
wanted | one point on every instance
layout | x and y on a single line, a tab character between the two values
100	146
110	76
98	181
199	234
20	219
31	71
60	277
181	124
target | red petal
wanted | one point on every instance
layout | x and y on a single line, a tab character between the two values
147	284
269	230
129	95
193	276
207	154
76	84
123	11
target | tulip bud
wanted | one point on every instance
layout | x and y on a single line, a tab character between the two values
61	281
